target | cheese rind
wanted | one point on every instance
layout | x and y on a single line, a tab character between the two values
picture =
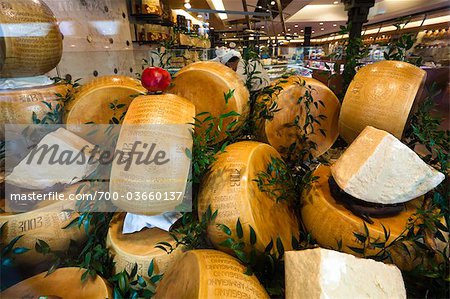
378	168
381	95
45	222
322	273
206	273
204	83
63	283
139	248
329	222
229	188
279	131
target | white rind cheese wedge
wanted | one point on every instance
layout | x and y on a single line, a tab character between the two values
378	168
322	273
34	173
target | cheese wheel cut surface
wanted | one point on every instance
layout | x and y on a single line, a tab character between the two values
381	95
63	283
339	275
379	168
163	121
45	222
229	188
279	131
17	105
139	248
204	83
91	103
330	222
209	274
30	41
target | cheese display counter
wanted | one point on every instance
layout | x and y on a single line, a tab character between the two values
204	149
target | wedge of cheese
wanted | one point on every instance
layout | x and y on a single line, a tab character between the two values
163	122
280	132
330	223
339	275
63	283
46	222
381	95
209	274
229	187
37	171
205	83
139	248
378	168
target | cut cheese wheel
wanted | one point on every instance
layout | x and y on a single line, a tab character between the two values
163	121
205	83
229	188
330	222
280	132
139	248
92	102
45	222
379	168
339	275
209	274
381	95
63	283
17	105
30	41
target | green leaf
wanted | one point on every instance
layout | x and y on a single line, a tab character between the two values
253	236
239	231
280	248
151	267
224	229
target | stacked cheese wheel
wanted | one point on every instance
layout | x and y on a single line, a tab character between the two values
63	283
205	83
162	120
229	187
209	274
381	95
46	223
332	223
104	100
139	248
38	47
18	105
279	130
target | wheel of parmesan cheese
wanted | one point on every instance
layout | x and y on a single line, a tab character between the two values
139	248
45	222
330	222
91	103
279	131
381	95
204	83
17	105
63	283
163	121
229	188
30	41
209	274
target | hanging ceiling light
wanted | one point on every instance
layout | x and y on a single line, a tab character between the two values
187	5
272	2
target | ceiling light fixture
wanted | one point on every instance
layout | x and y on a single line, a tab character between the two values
321	23
334	25
336	2
230	27
322	29
199	16
301	30
313	31
262	27
272	2
296	25
218	5
289	29
187	5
